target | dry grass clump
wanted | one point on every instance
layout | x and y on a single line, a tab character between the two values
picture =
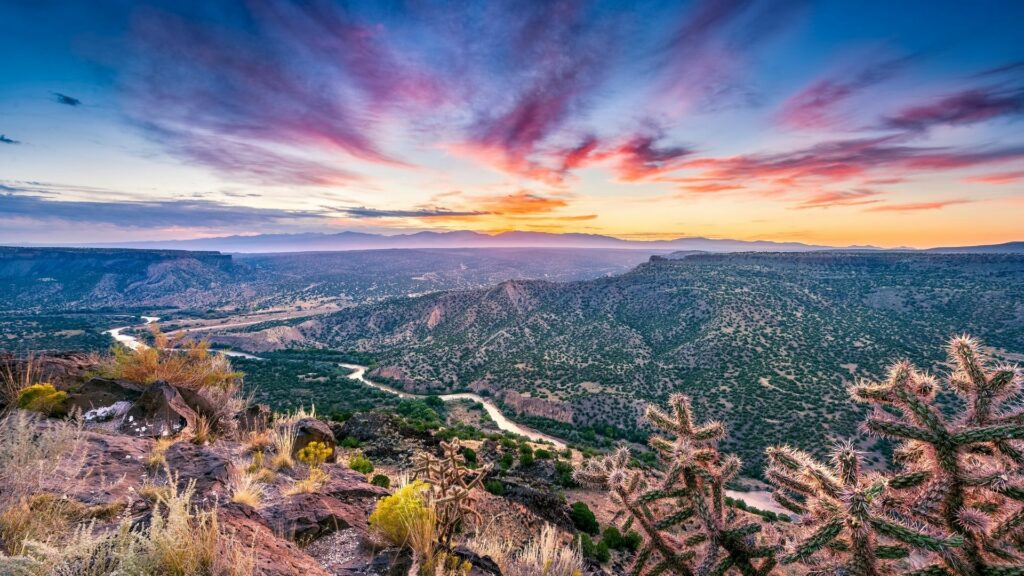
544	556
15	376
292	418
248	489
283	439
181	540
183	363
31	452
157	456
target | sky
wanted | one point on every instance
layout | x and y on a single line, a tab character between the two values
828	122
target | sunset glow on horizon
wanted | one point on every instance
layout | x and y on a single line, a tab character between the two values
839	123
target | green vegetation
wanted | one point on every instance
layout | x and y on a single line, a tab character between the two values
583	518
756	340
43	398
360	463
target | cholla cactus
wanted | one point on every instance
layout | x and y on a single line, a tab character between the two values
972	461
690	487
451	488
843	511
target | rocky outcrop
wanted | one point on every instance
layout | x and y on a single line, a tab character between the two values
100	393
306	516
348	485
385	438
159	411
210	471
274	556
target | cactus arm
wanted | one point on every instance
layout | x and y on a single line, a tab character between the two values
815	542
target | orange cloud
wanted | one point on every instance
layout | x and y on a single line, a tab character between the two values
519	203
999	178
912	207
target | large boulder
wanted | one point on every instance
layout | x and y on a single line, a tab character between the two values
159	411
274	556
385	438
313	430
210	471
99	393
304	516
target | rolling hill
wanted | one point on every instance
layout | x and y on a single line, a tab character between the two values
767	342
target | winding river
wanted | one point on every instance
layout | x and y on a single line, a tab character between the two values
757	498
359	373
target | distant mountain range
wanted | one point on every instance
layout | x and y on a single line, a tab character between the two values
319	242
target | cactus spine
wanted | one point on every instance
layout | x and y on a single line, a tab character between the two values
972	461
844	512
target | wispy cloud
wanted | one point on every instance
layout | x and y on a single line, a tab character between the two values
66	100
172	213
917	206
840	198
5	140
963	108
363	212
998	177
820	104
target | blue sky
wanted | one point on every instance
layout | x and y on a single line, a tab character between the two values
894	123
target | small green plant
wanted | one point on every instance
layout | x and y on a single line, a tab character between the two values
350	442
495	487
360	463
583	518
470	455
43	398
542	454
315	454
381	480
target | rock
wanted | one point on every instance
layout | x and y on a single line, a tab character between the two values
159	411
114	471
274	556
347	552
312	430
210	471
101	393
107	413
482	565
348	485
302	516
544	502
254	418
385	439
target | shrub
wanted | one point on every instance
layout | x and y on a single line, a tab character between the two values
525	455
394	514
495	487
42	398
612	537
188	364
542	454
586	545
601	552
563	475
470	455
360	463
381	480
506	460
350	442
583	518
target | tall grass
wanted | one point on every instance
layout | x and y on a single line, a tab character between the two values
33	452
545	556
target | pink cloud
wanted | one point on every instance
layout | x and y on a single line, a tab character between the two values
917	206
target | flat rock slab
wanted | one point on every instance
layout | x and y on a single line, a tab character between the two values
210	470
305	516
274	556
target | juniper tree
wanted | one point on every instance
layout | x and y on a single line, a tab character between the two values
844	512
972	460
690	488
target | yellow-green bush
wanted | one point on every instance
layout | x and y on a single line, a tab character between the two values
395	514
43	398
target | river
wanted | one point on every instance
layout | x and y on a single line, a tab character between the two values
757	498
